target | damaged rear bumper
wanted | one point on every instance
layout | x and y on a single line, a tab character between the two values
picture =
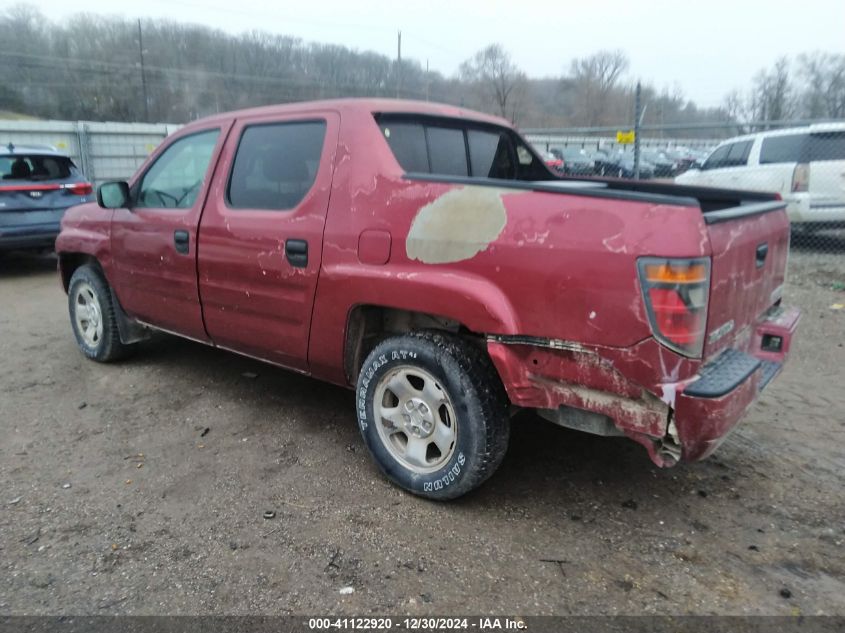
711	406
640	391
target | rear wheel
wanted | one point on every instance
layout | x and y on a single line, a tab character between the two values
92	316
433	413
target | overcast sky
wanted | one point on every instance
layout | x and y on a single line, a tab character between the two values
706	47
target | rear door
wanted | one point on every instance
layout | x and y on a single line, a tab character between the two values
779	154
261	236
154	241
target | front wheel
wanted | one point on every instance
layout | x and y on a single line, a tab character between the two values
92	316
433	413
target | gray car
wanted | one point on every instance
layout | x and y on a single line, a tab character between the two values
37	185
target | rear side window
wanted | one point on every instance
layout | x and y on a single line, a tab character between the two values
407	140
275	165
445	147
827	146
491	155
783	149
446	151
34	167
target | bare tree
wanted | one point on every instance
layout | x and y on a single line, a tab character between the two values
595	78
772	96
88	67
823	76
495	73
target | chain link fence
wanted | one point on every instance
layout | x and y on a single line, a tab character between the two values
802	161
102	150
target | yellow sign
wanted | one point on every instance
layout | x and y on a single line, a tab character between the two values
625	137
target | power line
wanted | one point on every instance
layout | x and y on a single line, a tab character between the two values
192	72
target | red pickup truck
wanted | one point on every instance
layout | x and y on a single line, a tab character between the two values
426	257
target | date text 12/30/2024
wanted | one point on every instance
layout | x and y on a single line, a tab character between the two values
417	624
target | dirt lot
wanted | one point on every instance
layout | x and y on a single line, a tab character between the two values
115	498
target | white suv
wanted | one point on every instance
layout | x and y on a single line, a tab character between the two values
805	165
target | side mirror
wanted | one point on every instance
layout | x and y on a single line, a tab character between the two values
113	195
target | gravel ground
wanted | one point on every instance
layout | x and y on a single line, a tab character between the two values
140	488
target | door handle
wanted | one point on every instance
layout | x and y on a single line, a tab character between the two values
762	251
297	253
182	241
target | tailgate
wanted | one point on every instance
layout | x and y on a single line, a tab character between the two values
749	249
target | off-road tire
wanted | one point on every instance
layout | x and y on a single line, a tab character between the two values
466	375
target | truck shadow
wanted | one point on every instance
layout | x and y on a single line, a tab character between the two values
25	264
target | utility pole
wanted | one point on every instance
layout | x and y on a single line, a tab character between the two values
143	73
637	104
399	64
427	80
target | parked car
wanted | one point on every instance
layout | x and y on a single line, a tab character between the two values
426	257
805	165
576	162
624	167
602	162
37	185
553	162
619	164
661	164
683	157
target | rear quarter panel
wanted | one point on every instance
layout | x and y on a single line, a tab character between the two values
497	260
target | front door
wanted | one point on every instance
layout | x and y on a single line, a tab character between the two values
261	235
154	241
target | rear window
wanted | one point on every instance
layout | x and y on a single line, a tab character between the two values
783	149
451	148
34	167
827	146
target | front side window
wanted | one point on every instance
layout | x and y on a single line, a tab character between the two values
718	158
275	165
738	154
175	179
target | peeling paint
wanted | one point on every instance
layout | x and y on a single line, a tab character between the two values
457	226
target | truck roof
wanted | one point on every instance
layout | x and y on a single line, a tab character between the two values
373	106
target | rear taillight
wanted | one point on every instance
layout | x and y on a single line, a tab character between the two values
801	178
79	188
675	293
